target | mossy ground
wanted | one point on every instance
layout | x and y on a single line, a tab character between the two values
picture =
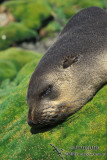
30	13
85	128
12	60
70	7
33	15
14	33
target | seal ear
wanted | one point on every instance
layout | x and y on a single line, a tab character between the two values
69	61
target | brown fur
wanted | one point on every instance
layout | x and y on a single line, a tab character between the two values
70	73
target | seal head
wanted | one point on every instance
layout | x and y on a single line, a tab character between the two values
72	70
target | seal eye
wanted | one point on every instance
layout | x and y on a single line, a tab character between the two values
46	92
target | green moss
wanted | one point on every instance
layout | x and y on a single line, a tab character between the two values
6	87
71	10
7	69
71	7
33	13
12	60
82	3
26	70
30	13
13	33
89	3
52	27
60	3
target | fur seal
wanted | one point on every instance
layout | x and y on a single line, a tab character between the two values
72	70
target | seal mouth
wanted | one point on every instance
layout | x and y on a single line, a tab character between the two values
36	130
44	124
45	121
46	127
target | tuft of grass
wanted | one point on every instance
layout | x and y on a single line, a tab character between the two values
13	33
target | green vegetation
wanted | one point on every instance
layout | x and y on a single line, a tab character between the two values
30	13
52	27
85	128
14	33
7	69
33	15
70	7
12	60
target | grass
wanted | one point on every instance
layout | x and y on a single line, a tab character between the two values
85	128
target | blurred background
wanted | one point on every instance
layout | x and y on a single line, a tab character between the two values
27	29
34	24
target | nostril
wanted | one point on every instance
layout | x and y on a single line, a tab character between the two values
30	123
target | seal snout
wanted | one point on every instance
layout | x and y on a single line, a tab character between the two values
30	123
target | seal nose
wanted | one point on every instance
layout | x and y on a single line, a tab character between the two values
30	123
